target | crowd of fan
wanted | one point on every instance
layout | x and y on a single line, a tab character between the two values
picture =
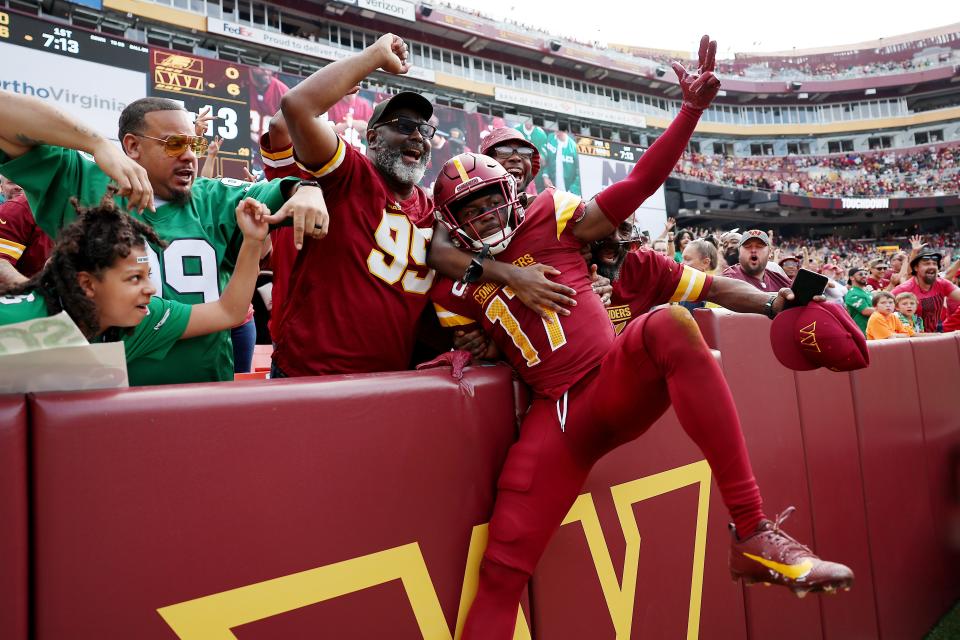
892	277
916	172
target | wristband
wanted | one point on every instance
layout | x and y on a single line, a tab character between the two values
768	306
309	183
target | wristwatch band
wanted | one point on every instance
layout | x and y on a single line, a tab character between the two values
768	306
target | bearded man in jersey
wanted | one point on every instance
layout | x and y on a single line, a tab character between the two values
594	391
56	158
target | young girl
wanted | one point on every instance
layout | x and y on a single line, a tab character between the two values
99	274
906	313
883	323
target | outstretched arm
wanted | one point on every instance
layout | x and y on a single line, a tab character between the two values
614	204
315	141
28	122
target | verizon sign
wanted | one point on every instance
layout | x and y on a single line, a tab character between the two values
395	8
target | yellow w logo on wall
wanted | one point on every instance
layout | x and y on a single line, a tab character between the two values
212	617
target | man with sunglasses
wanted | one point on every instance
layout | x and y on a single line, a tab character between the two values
157	173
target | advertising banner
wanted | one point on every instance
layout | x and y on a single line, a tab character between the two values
90	76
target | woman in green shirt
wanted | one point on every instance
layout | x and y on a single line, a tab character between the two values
99	273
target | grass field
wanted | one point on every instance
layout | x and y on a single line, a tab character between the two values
949	627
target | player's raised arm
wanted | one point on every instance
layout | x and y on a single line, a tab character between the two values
613	205
27	122
314	141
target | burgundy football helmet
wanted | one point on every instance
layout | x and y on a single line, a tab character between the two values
462	178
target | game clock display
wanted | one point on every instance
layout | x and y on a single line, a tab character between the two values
66	40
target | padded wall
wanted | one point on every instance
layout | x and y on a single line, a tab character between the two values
14	554
228	507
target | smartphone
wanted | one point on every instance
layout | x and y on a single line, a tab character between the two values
806	285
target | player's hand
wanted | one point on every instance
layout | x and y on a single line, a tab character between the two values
540	293
203	119
308	210
476	342
251	218
394	54
700	87
131	178
601	286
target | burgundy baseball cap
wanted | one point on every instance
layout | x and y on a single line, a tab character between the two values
819	334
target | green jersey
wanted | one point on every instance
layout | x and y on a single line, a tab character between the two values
150	341
202	235
857	300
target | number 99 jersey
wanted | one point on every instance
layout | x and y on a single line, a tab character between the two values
550	356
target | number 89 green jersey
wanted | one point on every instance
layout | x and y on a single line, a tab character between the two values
202	235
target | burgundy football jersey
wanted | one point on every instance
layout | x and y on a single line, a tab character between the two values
22	243
648	279
550	357
356	295
279	163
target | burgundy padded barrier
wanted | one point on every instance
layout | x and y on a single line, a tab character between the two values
14	550
908	569
938	372
567	599
152	497
836	495
766	397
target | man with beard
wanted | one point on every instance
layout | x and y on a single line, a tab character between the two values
859	300
45	151
730	247
355	298
752	268
931	290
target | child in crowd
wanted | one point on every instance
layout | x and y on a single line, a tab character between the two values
906	313
883	323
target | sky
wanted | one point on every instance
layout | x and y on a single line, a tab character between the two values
737	26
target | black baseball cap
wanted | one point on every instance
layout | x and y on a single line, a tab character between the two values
403	100
924	254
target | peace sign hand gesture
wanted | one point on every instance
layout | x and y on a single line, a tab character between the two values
700	87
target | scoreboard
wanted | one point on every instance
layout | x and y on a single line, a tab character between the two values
199	83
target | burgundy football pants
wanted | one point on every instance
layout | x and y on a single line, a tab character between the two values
659	358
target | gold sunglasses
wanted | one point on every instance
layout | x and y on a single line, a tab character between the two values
175	145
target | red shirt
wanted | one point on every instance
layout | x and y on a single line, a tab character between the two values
279	163
878	285
356	295
931	302
771	280
647	279
22	243
550	358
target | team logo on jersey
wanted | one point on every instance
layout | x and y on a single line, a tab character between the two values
619	316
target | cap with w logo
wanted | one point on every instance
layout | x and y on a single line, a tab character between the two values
818	335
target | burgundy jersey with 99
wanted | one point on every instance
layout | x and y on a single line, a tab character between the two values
356	295
648	279
549	356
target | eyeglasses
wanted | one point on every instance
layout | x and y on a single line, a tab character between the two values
504	152
175	145
406	126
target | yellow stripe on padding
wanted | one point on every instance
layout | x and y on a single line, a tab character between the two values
277	155
690	286
332	164
463	172
449	318
11	248
564	206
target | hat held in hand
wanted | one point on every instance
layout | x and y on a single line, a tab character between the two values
818	335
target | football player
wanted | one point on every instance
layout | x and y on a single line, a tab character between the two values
592	390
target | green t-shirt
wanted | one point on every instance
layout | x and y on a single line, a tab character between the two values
202	235
150	341
857	300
